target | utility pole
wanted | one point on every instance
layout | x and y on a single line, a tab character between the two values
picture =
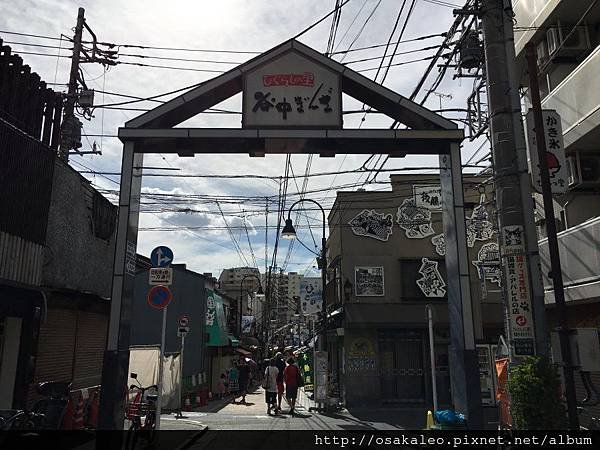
511	179
69	120
556	271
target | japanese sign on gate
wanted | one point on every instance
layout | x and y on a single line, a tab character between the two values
555	152
292	91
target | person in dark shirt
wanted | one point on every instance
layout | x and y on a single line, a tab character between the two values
280	364
244	379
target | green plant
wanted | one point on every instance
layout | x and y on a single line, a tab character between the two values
535	403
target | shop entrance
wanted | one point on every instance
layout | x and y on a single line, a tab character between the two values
402	366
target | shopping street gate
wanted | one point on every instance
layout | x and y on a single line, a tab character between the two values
292	103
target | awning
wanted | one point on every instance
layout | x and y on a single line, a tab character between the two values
233	341
243	352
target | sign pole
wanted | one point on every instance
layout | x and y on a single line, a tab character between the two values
160	367
553	249
181	372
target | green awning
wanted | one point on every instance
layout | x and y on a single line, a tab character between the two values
234	341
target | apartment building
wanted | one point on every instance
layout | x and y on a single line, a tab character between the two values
230	284
567	38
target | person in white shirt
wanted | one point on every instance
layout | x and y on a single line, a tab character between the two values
270	386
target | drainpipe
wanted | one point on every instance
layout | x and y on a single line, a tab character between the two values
429	310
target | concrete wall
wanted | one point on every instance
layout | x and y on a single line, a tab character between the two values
364	251
189	298
75	258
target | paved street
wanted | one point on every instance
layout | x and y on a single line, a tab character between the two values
220	415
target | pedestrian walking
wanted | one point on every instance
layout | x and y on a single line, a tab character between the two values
243	379
281	367
233	381
291	374
270	386
221	386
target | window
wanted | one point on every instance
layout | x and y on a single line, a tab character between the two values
409	274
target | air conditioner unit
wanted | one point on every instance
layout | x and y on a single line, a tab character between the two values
563	42
583	170
542	52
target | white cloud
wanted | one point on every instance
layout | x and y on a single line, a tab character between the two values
225	24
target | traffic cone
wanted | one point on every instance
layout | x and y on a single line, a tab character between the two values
93	414
429	424
67	422
78	415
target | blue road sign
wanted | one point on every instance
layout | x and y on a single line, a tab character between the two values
159	297
161	256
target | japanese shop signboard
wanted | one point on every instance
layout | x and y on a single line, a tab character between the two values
428	196
555	152
292	91
519	304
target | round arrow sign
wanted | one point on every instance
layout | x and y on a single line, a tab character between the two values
161	256
159	297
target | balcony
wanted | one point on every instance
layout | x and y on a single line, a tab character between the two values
578	104
531	13
580	259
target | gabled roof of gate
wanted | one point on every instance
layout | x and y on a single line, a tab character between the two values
216	90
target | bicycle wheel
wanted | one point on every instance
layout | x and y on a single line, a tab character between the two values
150	427
132	435
22	421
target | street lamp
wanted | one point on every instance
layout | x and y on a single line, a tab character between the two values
259	292
289	232
347	289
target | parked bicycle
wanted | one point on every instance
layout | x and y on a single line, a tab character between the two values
46	413
592	398
141	412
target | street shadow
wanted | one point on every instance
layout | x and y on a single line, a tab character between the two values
356	423
403	418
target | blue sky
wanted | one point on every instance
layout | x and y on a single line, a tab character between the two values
255	26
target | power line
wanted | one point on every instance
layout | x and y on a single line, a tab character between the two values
369	47
442	3
272	177
360	30
335	22
449	35
391	55
403	63
395	48
53	38
349	27
320	20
